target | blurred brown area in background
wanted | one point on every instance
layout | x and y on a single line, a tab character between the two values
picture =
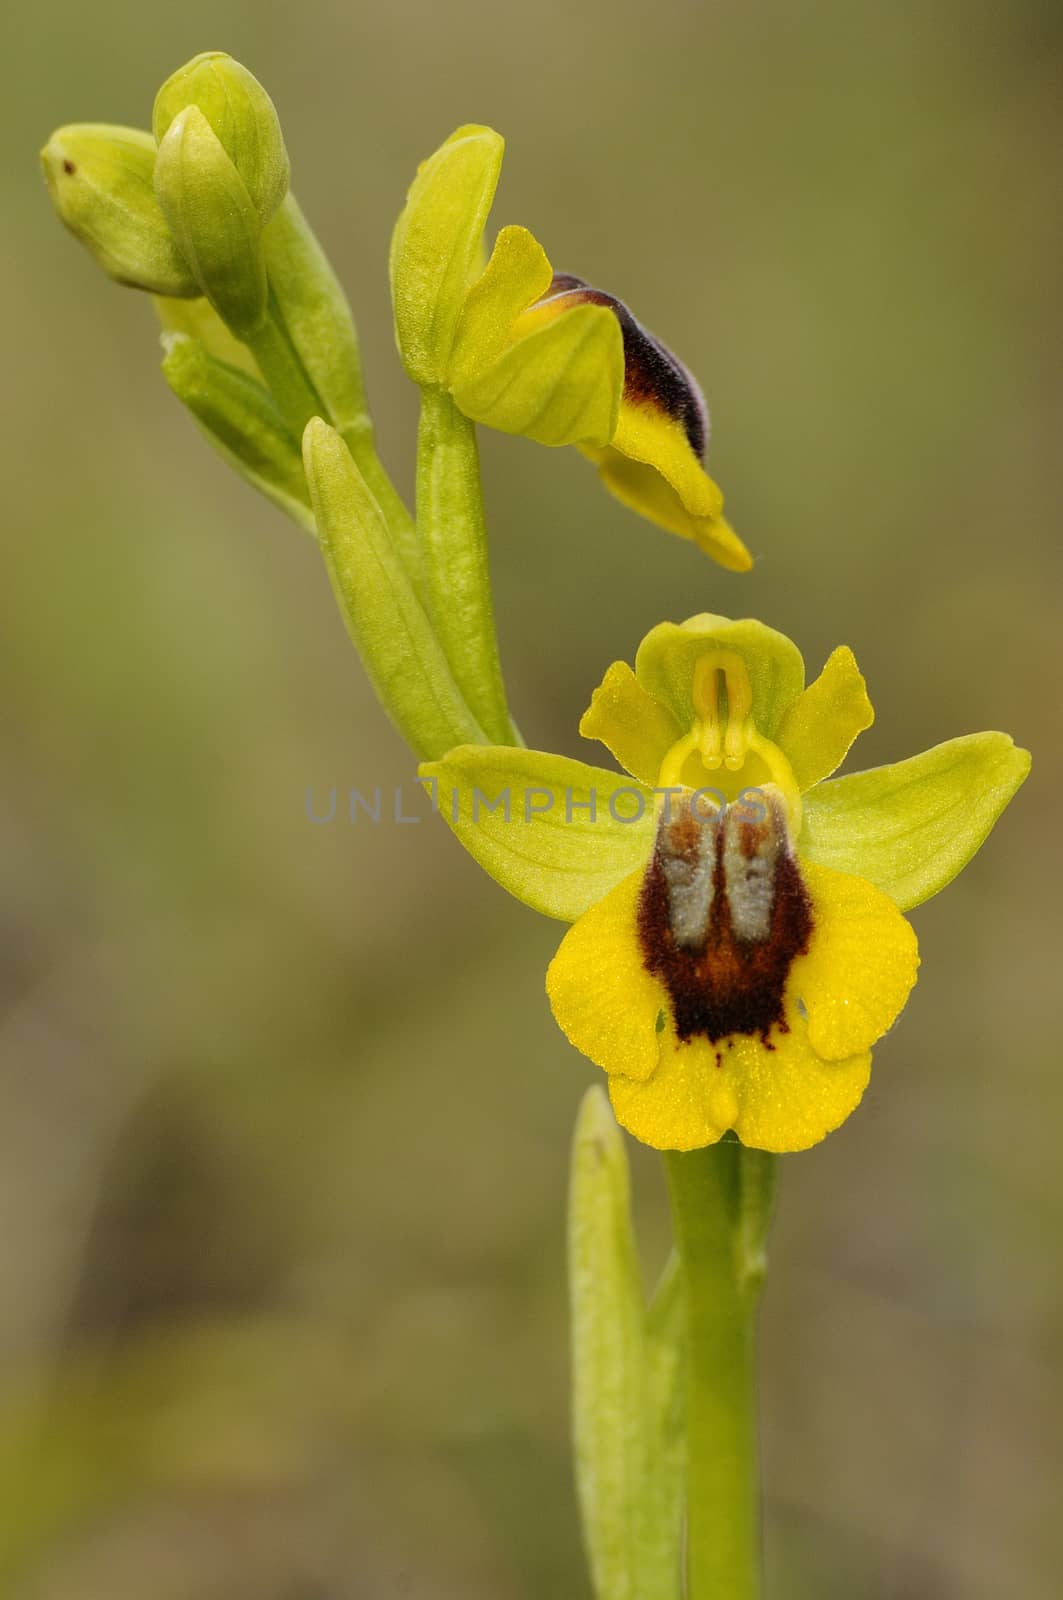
284	1116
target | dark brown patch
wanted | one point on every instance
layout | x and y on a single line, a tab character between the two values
69	167
652	374
722	983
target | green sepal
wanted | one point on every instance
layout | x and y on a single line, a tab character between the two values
550	853
626	1380
242	116
559	385
241	421
101	181
386	621
668	654
911	827
436	246
213	220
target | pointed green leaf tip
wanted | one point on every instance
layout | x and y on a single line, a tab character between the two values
627	1369
435	248
213	220
238	416
101	181
386	621
242	117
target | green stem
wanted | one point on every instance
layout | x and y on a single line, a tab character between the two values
721	1205
453	538
286	379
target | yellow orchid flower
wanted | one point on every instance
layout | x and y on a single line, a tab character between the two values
526	350
738	942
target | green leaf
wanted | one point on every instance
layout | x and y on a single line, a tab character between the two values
608	1353
666	1384
911	827
386	621
525	816
241	421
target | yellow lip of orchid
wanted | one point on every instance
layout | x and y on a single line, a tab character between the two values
546	355
735	953
654	461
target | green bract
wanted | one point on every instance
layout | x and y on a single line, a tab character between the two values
241	421
385	618
242	116
101	180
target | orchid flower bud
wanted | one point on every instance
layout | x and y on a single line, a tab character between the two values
100	179
242	116
213	219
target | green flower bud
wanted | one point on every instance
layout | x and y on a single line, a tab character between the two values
241	421
436	247
242	116
100	181
213	220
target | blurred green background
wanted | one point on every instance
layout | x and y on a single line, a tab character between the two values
284	1115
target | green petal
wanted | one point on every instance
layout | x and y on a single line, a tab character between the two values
436	244
632	725
821	724
911	827
558	385
667	655
545	846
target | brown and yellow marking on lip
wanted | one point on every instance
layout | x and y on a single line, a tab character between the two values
723	915
653	376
